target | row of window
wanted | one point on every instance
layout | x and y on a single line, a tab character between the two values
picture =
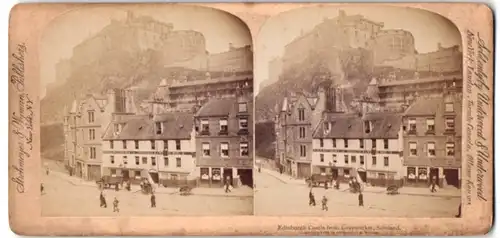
152	143
242	122
178	161
431	149
224	149
361	143
449	125
354	159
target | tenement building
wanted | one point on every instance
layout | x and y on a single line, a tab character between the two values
84	124
159	147
432	140
299	114
367	147
394	93
183	94
224	141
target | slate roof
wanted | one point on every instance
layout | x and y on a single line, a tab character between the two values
351	126
218	107
178	125
424	107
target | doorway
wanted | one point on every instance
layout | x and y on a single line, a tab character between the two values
228	172
246	177
434	172
451	176
125	175
154	177
362	175
335	173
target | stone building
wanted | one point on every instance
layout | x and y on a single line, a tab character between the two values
160	147
224	141
236	59
395	93
183	94
298	116
84	125
342	32
366	146
443	60
433	139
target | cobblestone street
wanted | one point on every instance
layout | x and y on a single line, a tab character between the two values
64	196
275	196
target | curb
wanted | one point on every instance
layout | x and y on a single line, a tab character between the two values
169	193
403	193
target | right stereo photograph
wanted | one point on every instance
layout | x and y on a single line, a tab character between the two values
358	113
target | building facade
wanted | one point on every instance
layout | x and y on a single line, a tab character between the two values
433	139
368	147
183	95
84	125
297	118
160	148
394	93
236	59
224	141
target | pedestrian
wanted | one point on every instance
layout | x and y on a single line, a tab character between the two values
115	205
103	200
47	171
324	205
153	200
41	188
433	184
312	201
337	185
226	185
360	199
326	185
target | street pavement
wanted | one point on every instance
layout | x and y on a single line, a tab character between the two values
70	196
279	197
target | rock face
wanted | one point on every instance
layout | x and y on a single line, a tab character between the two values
137	50
350	67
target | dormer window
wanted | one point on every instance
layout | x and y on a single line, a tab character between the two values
159	128
302	115
242	107
412	124
204	126
368	126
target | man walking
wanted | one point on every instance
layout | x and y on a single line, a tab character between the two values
115	205
312	202
324	205
360	199
226	185
153	200
103	200
433	184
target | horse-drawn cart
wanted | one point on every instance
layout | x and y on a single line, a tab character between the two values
392	190
185	190
109	181
318	179
146	187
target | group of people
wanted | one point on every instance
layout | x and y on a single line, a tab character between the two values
324	200
105	205
116	202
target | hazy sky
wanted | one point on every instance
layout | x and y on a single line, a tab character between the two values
427	28
70	29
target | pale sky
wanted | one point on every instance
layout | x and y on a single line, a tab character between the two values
427	28
70	29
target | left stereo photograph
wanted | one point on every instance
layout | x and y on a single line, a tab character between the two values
146	111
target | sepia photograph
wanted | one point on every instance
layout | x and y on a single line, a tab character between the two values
358	113
146	111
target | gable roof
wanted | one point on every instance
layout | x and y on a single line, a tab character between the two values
351	126
424	107
178	125
218	107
